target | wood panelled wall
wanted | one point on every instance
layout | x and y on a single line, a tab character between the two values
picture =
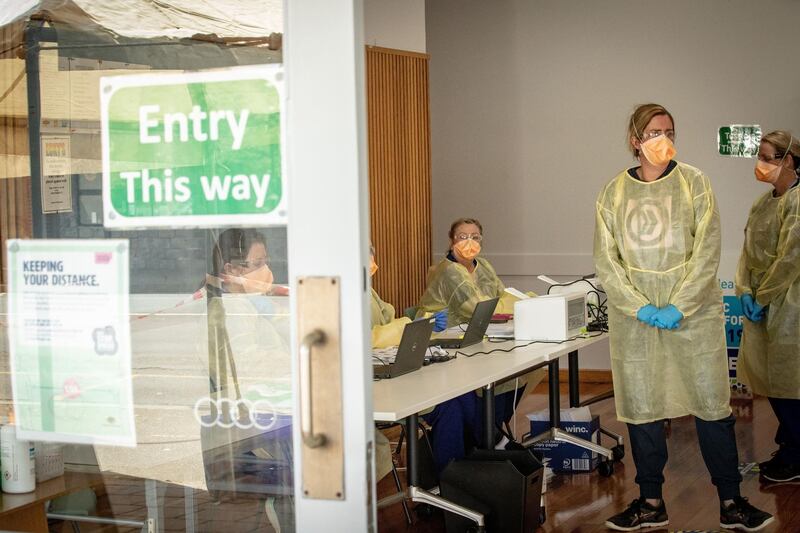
399	173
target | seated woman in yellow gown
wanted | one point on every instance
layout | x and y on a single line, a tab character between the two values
458	283
462	278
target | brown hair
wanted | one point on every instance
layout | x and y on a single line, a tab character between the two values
639	120
232	245
458	222
780	140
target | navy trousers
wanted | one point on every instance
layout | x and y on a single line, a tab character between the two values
717	444
787	411
457	424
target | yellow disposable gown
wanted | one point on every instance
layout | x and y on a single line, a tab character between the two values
451	286
769	269
659	243
386	329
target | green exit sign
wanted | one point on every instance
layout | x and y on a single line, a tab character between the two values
739	140
196	149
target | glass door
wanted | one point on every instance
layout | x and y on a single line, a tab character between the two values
183	293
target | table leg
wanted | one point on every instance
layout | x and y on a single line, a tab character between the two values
555	433
415	493
575	398
488	416
574	381
554	393
412	450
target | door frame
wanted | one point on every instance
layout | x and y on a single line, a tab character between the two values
329	229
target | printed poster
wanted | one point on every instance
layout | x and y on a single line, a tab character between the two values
56	174
69	335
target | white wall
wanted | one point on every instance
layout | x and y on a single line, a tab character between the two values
398	24
530	101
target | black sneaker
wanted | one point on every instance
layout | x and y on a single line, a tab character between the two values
741	515
781	472
638	515
766	464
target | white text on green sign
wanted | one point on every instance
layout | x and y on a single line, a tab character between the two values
194	149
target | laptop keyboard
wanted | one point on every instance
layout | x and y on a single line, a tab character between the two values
384	356
387	356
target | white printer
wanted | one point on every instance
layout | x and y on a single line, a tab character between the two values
554	317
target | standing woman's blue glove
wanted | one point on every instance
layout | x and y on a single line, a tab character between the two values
667	318
758	312
440	321
747	306
646	313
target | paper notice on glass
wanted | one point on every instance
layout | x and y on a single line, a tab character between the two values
56	174
56	194
69	336
55	155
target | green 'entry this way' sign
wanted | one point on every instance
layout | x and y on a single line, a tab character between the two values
194	149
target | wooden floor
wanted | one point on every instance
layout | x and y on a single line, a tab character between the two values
582	502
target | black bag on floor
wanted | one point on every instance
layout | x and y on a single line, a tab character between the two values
506	482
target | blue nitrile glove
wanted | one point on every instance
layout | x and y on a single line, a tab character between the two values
667	318
440	321
758	312
645	313
747	306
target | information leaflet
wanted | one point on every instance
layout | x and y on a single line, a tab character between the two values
70	340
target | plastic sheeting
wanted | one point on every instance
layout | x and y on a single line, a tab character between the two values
156	18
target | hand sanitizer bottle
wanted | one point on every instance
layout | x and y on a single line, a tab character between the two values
17	461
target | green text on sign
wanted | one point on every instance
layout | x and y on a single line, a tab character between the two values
739	140
197	149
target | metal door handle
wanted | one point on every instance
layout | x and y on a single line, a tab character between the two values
310	439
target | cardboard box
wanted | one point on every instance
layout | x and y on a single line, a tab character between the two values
565	457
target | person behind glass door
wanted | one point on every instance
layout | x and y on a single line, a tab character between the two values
258	328
656	250
240	263
250	360
768	284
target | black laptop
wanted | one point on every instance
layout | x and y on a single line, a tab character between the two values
476	328
410	353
